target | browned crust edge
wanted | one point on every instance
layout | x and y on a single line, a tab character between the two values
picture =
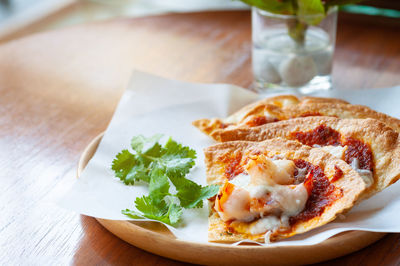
305	107
273	104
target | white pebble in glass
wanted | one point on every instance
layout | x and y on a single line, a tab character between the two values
286	63
264	69
297	70
323	61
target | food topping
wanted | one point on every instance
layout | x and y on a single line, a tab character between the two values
233	165
353	151
322	194
338	174
264	171
269	223
268	195
321	135
366	175
336	151
233	203
358	150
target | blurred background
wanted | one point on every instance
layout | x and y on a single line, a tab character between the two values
23	17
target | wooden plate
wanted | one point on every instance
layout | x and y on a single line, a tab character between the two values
156	238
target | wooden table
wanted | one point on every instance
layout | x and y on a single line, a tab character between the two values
59	89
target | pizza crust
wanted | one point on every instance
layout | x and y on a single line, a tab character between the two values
305	107
351	183
343	111
272	104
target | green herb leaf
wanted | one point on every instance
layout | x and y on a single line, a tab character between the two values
284	7
190	194
158	186
139	142
173	158
159	166
310	11
177	159
128	169
169	214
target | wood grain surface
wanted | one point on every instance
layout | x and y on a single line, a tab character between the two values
58	90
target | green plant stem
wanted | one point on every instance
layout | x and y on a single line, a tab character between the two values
297	31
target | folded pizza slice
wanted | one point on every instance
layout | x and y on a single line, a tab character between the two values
368	145
276	189
268	113
253	114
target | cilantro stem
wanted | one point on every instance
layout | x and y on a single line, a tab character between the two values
149	157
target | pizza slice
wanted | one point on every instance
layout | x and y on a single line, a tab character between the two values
253	114
368	145
265	113
275	189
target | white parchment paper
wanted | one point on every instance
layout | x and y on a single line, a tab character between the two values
153	105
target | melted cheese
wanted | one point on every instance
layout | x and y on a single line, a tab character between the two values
267	237
291	199
366	175
288	200
264	171
301	175
262	225
287	102
284	172
263	183
261	171
241	180
258	191
268	114
336	151
236	206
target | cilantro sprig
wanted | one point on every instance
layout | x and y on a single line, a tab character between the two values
161	166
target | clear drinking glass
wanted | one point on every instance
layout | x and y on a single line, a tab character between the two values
290	55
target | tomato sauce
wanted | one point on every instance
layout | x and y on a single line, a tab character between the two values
323	136
322	193
337	175
233	165
360	151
